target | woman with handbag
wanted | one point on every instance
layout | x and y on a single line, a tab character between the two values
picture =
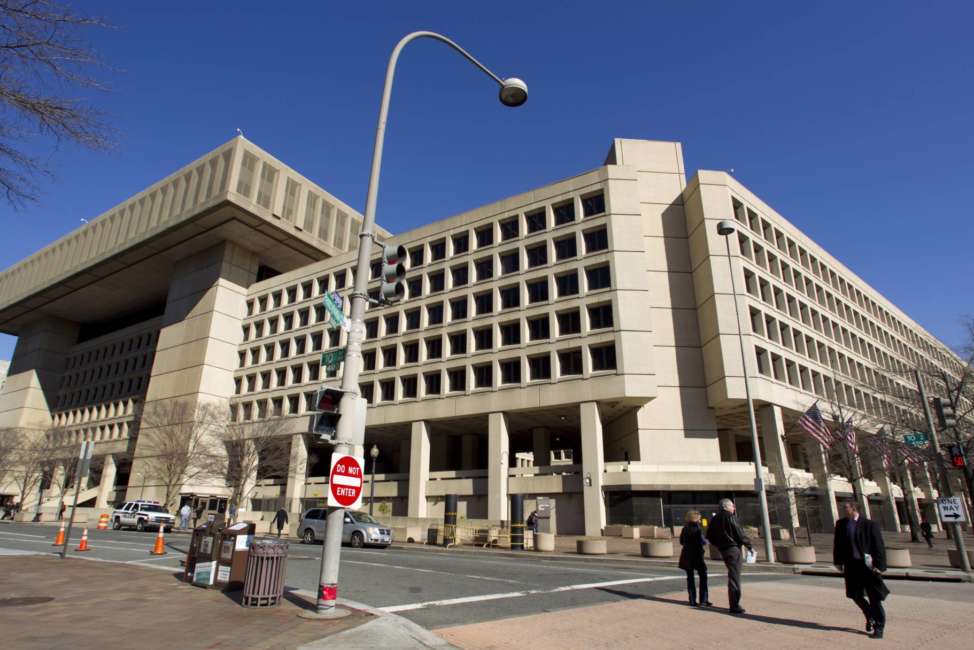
691	558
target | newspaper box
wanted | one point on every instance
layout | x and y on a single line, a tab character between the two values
231	560
201	557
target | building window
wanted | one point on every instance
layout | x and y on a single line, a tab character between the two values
537	255
566	248
511	371
461	243
458	379
316	342
538	291
510	297
340	277
389	357
434	348
485	236
367	391
483	338
510	262
596	240
288	322
296	374
314	369
539	328
539	367
299	346
458	343
437	250
570	362
567	284
483	376
412	320
434	314
535	221
285	347
392	324
604	357
333	337
409	387
510	229
484	302
303	317
593	204
319	314
437	282
458	308
416	256
511	333
600	316
432	383
597	277
368	360
460	275
410	352
387	390
564	212
484	268
375	269
372	328
415	287
569	322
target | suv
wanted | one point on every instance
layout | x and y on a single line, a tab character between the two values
360	529
142	515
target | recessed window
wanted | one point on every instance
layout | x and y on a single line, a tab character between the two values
604	357
340	277
367	391
569	322
410	352
484	268
511	371
434	314
372	328
539	367
460	275
458	343
485	236
389	357
458	308
375	269
437	250
392	324
412	319
510	297
285	349
596	240
314	369
416	255
566	248
433	383
387	390
316	339
537	290
539	328
296	374
483	376
510	229
535	221
415	287
458	379
600	316
511	333
570	362
510	262
434	348
408	387
593	204
333	337
461	243
597	277
483	338
567	284
437	282
537	255
564	212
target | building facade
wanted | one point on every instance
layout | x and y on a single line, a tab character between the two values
577	342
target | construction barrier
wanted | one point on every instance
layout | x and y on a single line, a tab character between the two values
103	521
159	548
83	546
59	538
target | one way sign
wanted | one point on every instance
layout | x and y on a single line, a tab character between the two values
951	510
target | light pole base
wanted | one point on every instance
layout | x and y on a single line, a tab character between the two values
329	614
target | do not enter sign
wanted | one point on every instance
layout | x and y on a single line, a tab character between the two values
345	481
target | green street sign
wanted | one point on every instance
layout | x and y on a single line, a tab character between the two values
332	358
917	439
333	305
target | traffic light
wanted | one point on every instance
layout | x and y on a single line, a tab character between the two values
328	404
945	413
957	457
393	287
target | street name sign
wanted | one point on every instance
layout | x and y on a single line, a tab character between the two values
951	510
332	358
917	439
345	481
333	305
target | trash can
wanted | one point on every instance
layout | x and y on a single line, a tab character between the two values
266	566
231	567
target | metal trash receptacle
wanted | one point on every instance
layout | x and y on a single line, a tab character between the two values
266	567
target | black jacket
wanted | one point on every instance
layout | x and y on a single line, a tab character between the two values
693	543
280	518
725	531
867	537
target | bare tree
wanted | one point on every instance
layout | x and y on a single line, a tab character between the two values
43	62
36	456
180	443
9	445
255	450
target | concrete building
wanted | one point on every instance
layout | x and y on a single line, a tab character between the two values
577	342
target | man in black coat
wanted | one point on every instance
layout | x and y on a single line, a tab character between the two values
280	520
859	552
726	534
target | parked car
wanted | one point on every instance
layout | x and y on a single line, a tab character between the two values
360	529
141	515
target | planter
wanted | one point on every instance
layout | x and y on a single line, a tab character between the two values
898	558
656	548
795	554
544	542
780	534
613	531
655	532
595	546
630	532
954	556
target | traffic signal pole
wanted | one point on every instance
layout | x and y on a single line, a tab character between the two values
965	563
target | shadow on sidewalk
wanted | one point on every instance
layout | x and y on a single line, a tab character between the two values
771	620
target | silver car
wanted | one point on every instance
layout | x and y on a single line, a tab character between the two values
359	530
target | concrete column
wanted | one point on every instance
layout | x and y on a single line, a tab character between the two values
57	488
828	508
107	483
593	467
773	433
297	473
34	376
419	468
541	438
909	495
498	462
891	518
404	455
468	451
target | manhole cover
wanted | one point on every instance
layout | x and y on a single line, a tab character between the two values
24	601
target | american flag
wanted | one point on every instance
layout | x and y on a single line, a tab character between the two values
879	445
814	425
848	435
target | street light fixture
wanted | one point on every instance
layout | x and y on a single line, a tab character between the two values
373	453
725	229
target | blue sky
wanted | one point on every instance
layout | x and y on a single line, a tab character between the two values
851	119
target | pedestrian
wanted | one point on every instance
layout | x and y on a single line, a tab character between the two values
60	514
197	514
726	534
860	554
280	520
533	522
927	531
691	558
232	511
184	514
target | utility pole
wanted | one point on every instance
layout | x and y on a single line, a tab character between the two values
80	474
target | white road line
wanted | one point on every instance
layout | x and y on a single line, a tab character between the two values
96	545
447	573
154	559
5	532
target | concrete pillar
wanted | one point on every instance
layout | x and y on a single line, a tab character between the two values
891	518
297	473
57	488
404	455
34	376
593	467
828	508
419	468
468	451
773	433
107	483
498	462
909	495
541	438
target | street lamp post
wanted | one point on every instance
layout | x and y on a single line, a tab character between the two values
513	92
725	229
374	454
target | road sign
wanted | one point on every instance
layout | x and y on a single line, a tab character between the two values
345	481
332	358
917	439
951	510
333	305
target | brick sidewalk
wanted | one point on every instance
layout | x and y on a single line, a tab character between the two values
100	604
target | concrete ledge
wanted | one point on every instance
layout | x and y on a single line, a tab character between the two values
544	542
894	574
593	546
795	554
898	558
656	548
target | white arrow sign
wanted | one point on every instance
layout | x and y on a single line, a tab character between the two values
951	510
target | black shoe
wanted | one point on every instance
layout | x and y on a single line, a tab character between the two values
877	633
694	604
869	625
706	603
736	610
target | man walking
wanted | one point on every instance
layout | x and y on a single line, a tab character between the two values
726	534
859	552
280	520
184	513
926	530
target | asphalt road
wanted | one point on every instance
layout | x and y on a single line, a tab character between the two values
434	588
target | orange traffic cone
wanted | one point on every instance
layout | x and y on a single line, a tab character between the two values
59	538
160	546
83	546
103	521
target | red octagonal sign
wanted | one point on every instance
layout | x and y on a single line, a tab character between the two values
345	481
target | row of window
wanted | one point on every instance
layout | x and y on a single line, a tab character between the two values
113	409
